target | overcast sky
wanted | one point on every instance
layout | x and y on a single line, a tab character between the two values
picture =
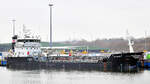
76	19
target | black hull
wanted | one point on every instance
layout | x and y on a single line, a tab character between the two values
28	63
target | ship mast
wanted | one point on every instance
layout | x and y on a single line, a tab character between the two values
13	26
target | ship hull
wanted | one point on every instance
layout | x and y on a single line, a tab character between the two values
29	63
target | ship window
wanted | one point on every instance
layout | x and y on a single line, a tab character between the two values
28	40
21	40
38	40
31	40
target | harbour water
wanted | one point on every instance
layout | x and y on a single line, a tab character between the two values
8	76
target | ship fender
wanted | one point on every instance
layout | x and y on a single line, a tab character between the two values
36	58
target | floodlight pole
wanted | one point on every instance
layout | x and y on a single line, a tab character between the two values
51	44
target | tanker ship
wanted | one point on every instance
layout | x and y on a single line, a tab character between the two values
27	54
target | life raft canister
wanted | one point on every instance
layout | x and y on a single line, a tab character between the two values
28	53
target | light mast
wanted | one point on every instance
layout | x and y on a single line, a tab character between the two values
51	44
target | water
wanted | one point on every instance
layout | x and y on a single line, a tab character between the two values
8	76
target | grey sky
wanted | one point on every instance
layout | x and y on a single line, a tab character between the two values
76	19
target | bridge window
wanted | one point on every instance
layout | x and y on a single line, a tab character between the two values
28	40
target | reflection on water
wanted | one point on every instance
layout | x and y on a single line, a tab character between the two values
71	77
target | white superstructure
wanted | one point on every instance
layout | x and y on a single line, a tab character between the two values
26	45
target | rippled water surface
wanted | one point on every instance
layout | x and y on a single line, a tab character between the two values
8	76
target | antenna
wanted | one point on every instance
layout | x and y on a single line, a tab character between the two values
130	43
13	26
26	32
